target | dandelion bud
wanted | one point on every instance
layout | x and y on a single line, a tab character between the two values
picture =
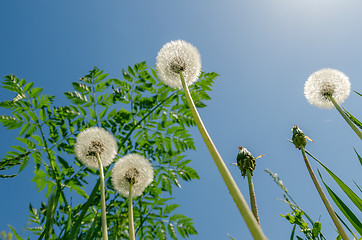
175	57
132	169
299	138
93	141
245	161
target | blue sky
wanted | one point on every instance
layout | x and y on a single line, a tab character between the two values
263	50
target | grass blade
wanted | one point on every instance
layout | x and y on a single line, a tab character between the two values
344	209
353	118
359	157
354	198
85	207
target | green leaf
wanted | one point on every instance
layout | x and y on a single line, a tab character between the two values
344	209
101	115
81	87
130	70
76	97
10	122
354	198
353	119
171	231
316	229
359	157
100	77
169	208
358	93
7	176
28	86
43	115
15	233
293	232
39	179
51	207
35	92
24	163
84	209
24	128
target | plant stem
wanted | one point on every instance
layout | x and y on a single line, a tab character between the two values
238	198
350	123
254	208
130	215
103	201
324	198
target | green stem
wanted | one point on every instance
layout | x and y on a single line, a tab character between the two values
324	198
254	208
130	215
350	123
94	100
238	198
78	222
103	201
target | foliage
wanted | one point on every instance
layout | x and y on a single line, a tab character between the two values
145	116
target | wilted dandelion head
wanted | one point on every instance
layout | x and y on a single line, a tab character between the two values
325	83
176	56
93	141
132	169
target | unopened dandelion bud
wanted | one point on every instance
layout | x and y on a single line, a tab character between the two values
245	161
299	138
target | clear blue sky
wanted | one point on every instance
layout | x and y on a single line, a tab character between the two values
263	50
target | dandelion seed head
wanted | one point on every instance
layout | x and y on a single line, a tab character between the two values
93	141
176	56
132	169
325	83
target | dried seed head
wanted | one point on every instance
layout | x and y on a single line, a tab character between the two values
175	57
132	169
93	141
325	83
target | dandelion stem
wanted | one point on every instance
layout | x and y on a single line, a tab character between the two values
350	123
254	208
238	198
130	215
103	201
324	198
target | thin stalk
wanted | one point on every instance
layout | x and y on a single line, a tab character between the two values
238	198
254	208
103	201
94	101
130	215
350	123
324	198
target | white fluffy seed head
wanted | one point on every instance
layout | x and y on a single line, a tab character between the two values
176	56
327	82
132	168
92	141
